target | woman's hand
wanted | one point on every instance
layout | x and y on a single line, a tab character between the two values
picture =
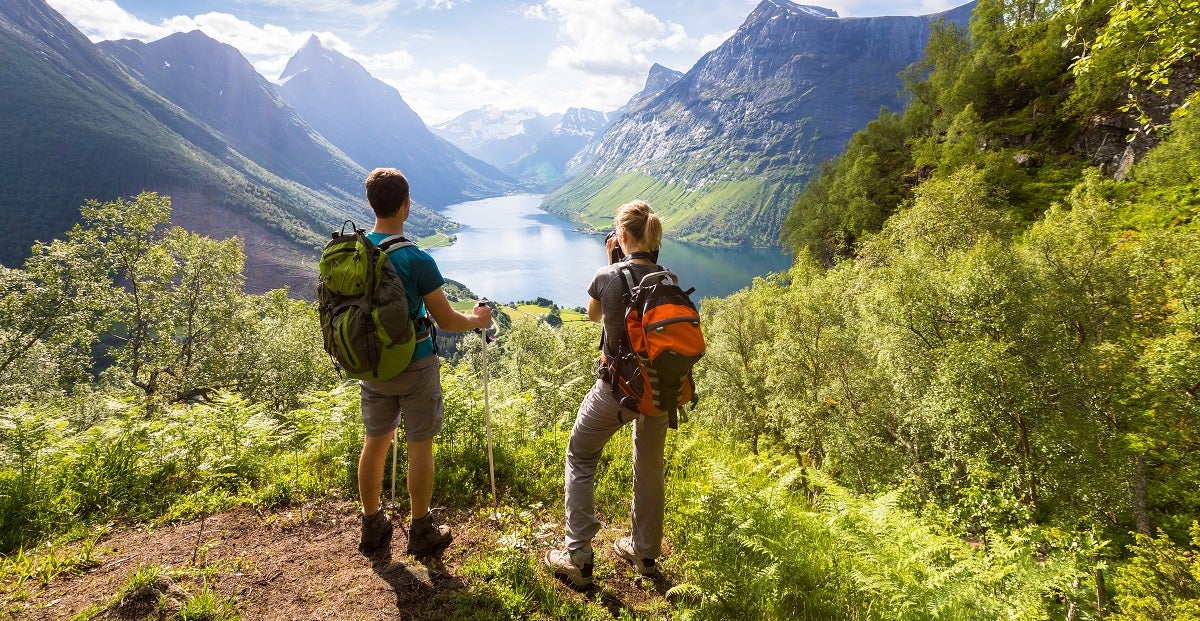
611	243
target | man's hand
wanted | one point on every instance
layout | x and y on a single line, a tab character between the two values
483	314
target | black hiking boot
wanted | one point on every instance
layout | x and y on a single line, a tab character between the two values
376	533
427	538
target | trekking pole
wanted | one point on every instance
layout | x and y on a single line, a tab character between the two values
487	414
395	449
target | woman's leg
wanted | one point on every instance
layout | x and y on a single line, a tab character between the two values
649	484
598	419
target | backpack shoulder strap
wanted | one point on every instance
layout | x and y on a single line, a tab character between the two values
392	242
627	278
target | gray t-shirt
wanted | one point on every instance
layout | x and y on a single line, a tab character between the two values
609	287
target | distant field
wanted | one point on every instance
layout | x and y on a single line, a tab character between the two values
524	310
437	240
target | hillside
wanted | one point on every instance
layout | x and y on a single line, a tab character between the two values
77	127
217	85
370	122
722	152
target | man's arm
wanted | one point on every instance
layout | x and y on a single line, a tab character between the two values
594	309
453	321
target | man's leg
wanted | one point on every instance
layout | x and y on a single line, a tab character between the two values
376	527
420	477
370	471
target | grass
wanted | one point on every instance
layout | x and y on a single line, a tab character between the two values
745	540
437	240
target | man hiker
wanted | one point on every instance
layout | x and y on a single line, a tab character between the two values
412	399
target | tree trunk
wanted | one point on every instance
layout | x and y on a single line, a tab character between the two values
1141	514
1101	594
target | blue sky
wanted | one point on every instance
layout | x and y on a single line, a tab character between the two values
449	56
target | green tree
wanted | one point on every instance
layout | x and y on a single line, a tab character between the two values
277	355
174	297
729	376
1161	581
49	316
1141	41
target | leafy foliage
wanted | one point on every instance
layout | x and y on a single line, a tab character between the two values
1142	43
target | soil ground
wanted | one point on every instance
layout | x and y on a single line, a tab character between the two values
303	563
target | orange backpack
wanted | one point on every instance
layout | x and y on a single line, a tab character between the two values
652	371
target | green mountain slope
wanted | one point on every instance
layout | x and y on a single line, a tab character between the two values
1003	97
74	127
722	152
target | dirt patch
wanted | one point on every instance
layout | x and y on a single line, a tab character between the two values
303	563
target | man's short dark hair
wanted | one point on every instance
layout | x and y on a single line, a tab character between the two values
387	190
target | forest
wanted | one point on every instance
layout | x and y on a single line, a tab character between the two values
973	396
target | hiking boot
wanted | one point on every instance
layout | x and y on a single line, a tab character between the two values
428	538
571	566
645	566
376	533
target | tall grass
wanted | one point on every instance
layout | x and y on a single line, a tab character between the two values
748	536
166	463
755	546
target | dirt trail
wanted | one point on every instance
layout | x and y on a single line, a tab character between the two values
300	563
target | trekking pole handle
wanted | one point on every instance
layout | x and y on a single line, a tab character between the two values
488	338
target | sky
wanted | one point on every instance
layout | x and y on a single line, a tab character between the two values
446	57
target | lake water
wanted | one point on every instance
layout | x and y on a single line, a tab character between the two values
508	249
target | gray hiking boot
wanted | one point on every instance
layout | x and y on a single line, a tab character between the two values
574	567
645	566
376	533
428	538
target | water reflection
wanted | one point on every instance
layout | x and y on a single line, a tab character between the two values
508	249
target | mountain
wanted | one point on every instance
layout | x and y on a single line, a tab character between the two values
214	83
75	126
530	146
217	85
495	135
722	152
658	79
544	165
369	121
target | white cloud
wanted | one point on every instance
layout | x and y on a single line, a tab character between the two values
609	37
103	19
441	95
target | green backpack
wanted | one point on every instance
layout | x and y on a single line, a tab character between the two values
363	306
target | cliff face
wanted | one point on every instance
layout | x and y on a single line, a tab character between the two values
723	151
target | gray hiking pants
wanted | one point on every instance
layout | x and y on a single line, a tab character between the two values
600	416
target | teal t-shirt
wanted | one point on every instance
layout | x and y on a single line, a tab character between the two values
421	277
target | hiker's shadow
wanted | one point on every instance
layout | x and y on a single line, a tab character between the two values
611	600
414	583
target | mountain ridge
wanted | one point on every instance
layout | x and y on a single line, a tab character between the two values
722	152
78	127
371	123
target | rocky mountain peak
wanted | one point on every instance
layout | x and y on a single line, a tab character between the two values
314	56
724	150
770	9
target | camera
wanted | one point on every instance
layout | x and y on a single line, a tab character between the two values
616	254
